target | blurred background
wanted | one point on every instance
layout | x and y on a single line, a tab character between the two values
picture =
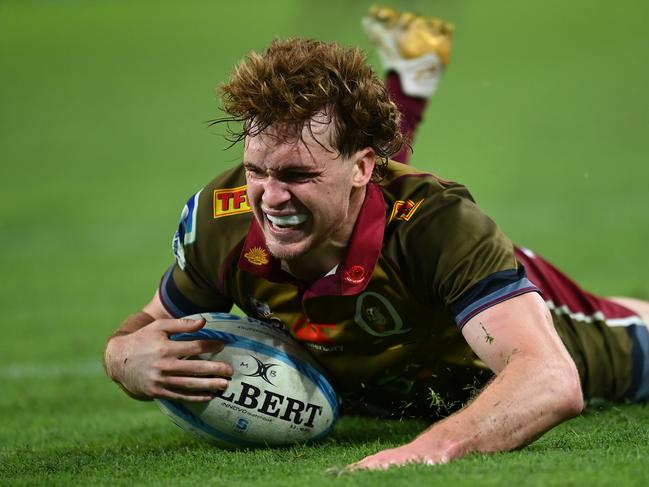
543	113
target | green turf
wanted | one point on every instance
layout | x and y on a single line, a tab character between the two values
543	113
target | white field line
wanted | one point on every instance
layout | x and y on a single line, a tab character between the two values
36	370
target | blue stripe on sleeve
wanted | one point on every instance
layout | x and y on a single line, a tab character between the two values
639	389
165	285
178	305
492	290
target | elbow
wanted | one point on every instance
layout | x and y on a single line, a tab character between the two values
573	403
572	398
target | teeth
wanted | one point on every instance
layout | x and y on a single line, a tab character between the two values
288	220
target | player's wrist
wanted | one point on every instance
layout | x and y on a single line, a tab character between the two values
114	364
111	359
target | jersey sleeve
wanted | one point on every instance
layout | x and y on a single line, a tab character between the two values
212	227
464	260
188	287
175	287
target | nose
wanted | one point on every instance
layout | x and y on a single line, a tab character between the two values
276	194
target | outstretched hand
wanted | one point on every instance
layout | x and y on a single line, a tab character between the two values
148	364
417	451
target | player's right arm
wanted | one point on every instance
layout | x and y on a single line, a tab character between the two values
147	364
140	356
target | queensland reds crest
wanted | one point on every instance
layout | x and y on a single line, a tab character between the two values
377	316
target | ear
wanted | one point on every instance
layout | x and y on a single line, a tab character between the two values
364	161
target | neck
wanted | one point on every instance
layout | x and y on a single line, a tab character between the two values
309	273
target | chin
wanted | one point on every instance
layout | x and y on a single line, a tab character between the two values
287	252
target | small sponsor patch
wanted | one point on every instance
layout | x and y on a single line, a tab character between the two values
230	201
257	256
403	210
306	331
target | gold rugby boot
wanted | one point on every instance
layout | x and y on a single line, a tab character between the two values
417	48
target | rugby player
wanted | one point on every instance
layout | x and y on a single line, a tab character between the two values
412	298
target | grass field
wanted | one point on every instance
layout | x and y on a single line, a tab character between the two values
544	114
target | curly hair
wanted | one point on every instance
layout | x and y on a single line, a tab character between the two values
295	79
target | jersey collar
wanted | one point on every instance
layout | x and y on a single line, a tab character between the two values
352	275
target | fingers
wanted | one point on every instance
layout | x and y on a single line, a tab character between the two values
193	348
397	457
187	396
198	368
191	380
151	365
182	325
378	461
196	384
182	387
372	463
188	347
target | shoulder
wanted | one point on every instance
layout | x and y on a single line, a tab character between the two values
225	196
216	217
422	198
437	234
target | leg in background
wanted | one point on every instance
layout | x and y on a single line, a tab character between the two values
636	305
414	51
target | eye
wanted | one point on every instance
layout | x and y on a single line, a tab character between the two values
298	176
254	171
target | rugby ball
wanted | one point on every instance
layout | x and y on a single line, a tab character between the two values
278	394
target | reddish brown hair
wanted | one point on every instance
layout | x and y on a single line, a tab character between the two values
295	79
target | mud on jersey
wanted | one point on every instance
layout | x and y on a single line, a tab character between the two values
386	323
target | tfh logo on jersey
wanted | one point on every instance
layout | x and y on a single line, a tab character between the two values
403	210
230	201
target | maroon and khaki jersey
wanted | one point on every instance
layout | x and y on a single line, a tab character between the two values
386	322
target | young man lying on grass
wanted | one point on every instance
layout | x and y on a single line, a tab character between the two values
394	279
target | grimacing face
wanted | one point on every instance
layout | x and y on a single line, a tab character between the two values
305	197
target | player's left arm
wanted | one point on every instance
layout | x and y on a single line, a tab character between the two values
536	387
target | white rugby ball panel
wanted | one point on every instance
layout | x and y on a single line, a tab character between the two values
192	423
277	395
